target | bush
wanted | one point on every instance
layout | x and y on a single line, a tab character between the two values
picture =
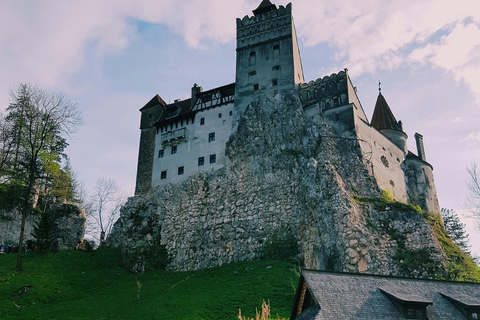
263	315
281	245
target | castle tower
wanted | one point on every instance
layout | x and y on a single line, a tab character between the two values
268	57
384	121
150	114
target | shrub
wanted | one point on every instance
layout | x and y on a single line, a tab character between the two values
263	315
281	245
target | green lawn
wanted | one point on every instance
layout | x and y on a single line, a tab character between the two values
91	285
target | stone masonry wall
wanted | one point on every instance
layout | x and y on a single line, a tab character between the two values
284	173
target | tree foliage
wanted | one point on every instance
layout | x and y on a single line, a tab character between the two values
34	129
455	229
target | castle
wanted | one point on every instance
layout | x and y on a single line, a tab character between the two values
190	136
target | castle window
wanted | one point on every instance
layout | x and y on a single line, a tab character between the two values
211	137
161	153
276	68
163	175
274	82
207	98
174	149
255	86
172	112
219	115
252	74
201	161
230	112
202	121
253	58
276	51
180	170
213	158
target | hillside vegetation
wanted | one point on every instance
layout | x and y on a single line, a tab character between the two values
92	285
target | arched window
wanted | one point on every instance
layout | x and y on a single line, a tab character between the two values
253	58
276	51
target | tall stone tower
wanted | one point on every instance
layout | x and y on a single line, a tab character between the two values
268	58
150	113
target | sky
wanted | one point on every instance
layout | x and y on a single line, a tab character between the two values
112	57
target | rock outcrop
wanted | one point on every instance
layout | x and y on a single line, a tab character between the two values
68	226
286	175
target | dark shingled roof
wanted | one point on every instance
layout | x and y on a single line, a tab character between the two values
176	111
265	6
383	117
153	102
360	296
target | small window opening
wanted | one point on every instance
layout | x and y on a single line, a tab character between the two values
202	121
213	158
253	58
255	87
161	153
174	149
181	170
211	137
163	175
201	161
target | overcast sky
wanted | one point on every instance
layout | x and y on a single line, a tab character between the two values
112	57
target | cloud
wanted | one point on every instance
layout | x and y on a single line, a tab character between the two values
473	137
48	41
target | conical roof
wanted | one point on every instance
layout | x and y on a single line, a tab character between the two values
383	117
265	6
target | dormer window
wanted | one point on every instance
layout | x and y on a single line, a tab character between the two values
409	305
469	306
172	112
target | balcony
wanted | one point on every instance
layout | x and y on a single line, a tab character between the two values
174	136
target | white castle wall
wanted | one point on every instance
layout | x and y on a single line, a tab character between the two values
197	145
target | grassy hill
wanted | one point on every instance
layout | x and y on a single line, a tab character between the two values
91	285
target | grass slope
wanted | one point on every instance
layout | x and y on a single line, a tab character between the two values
91	285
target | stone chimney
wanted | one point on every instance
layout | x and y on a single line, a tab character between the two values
195	90
420	148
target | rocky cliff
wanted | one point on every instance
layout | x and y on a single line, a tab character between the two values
289	179
68	225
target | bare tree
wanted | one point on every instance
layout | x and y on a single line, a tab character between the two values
472	203
38	122
104	206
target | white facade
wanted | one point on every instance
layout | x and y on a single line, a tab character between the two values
192	145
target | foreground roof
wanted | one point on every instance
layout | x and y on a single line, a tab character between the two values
327	295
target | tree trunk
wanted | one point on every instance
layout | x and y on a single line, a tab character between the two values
20	241
26	208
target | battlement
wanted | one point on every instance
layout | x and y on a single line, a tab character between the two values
264	27
281	11
333	87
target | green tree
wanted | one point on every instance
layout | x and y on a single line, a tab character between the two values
39	123
43	231
455	229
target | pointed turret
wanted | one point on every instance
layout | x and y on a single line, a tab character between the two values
384	121
383	117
